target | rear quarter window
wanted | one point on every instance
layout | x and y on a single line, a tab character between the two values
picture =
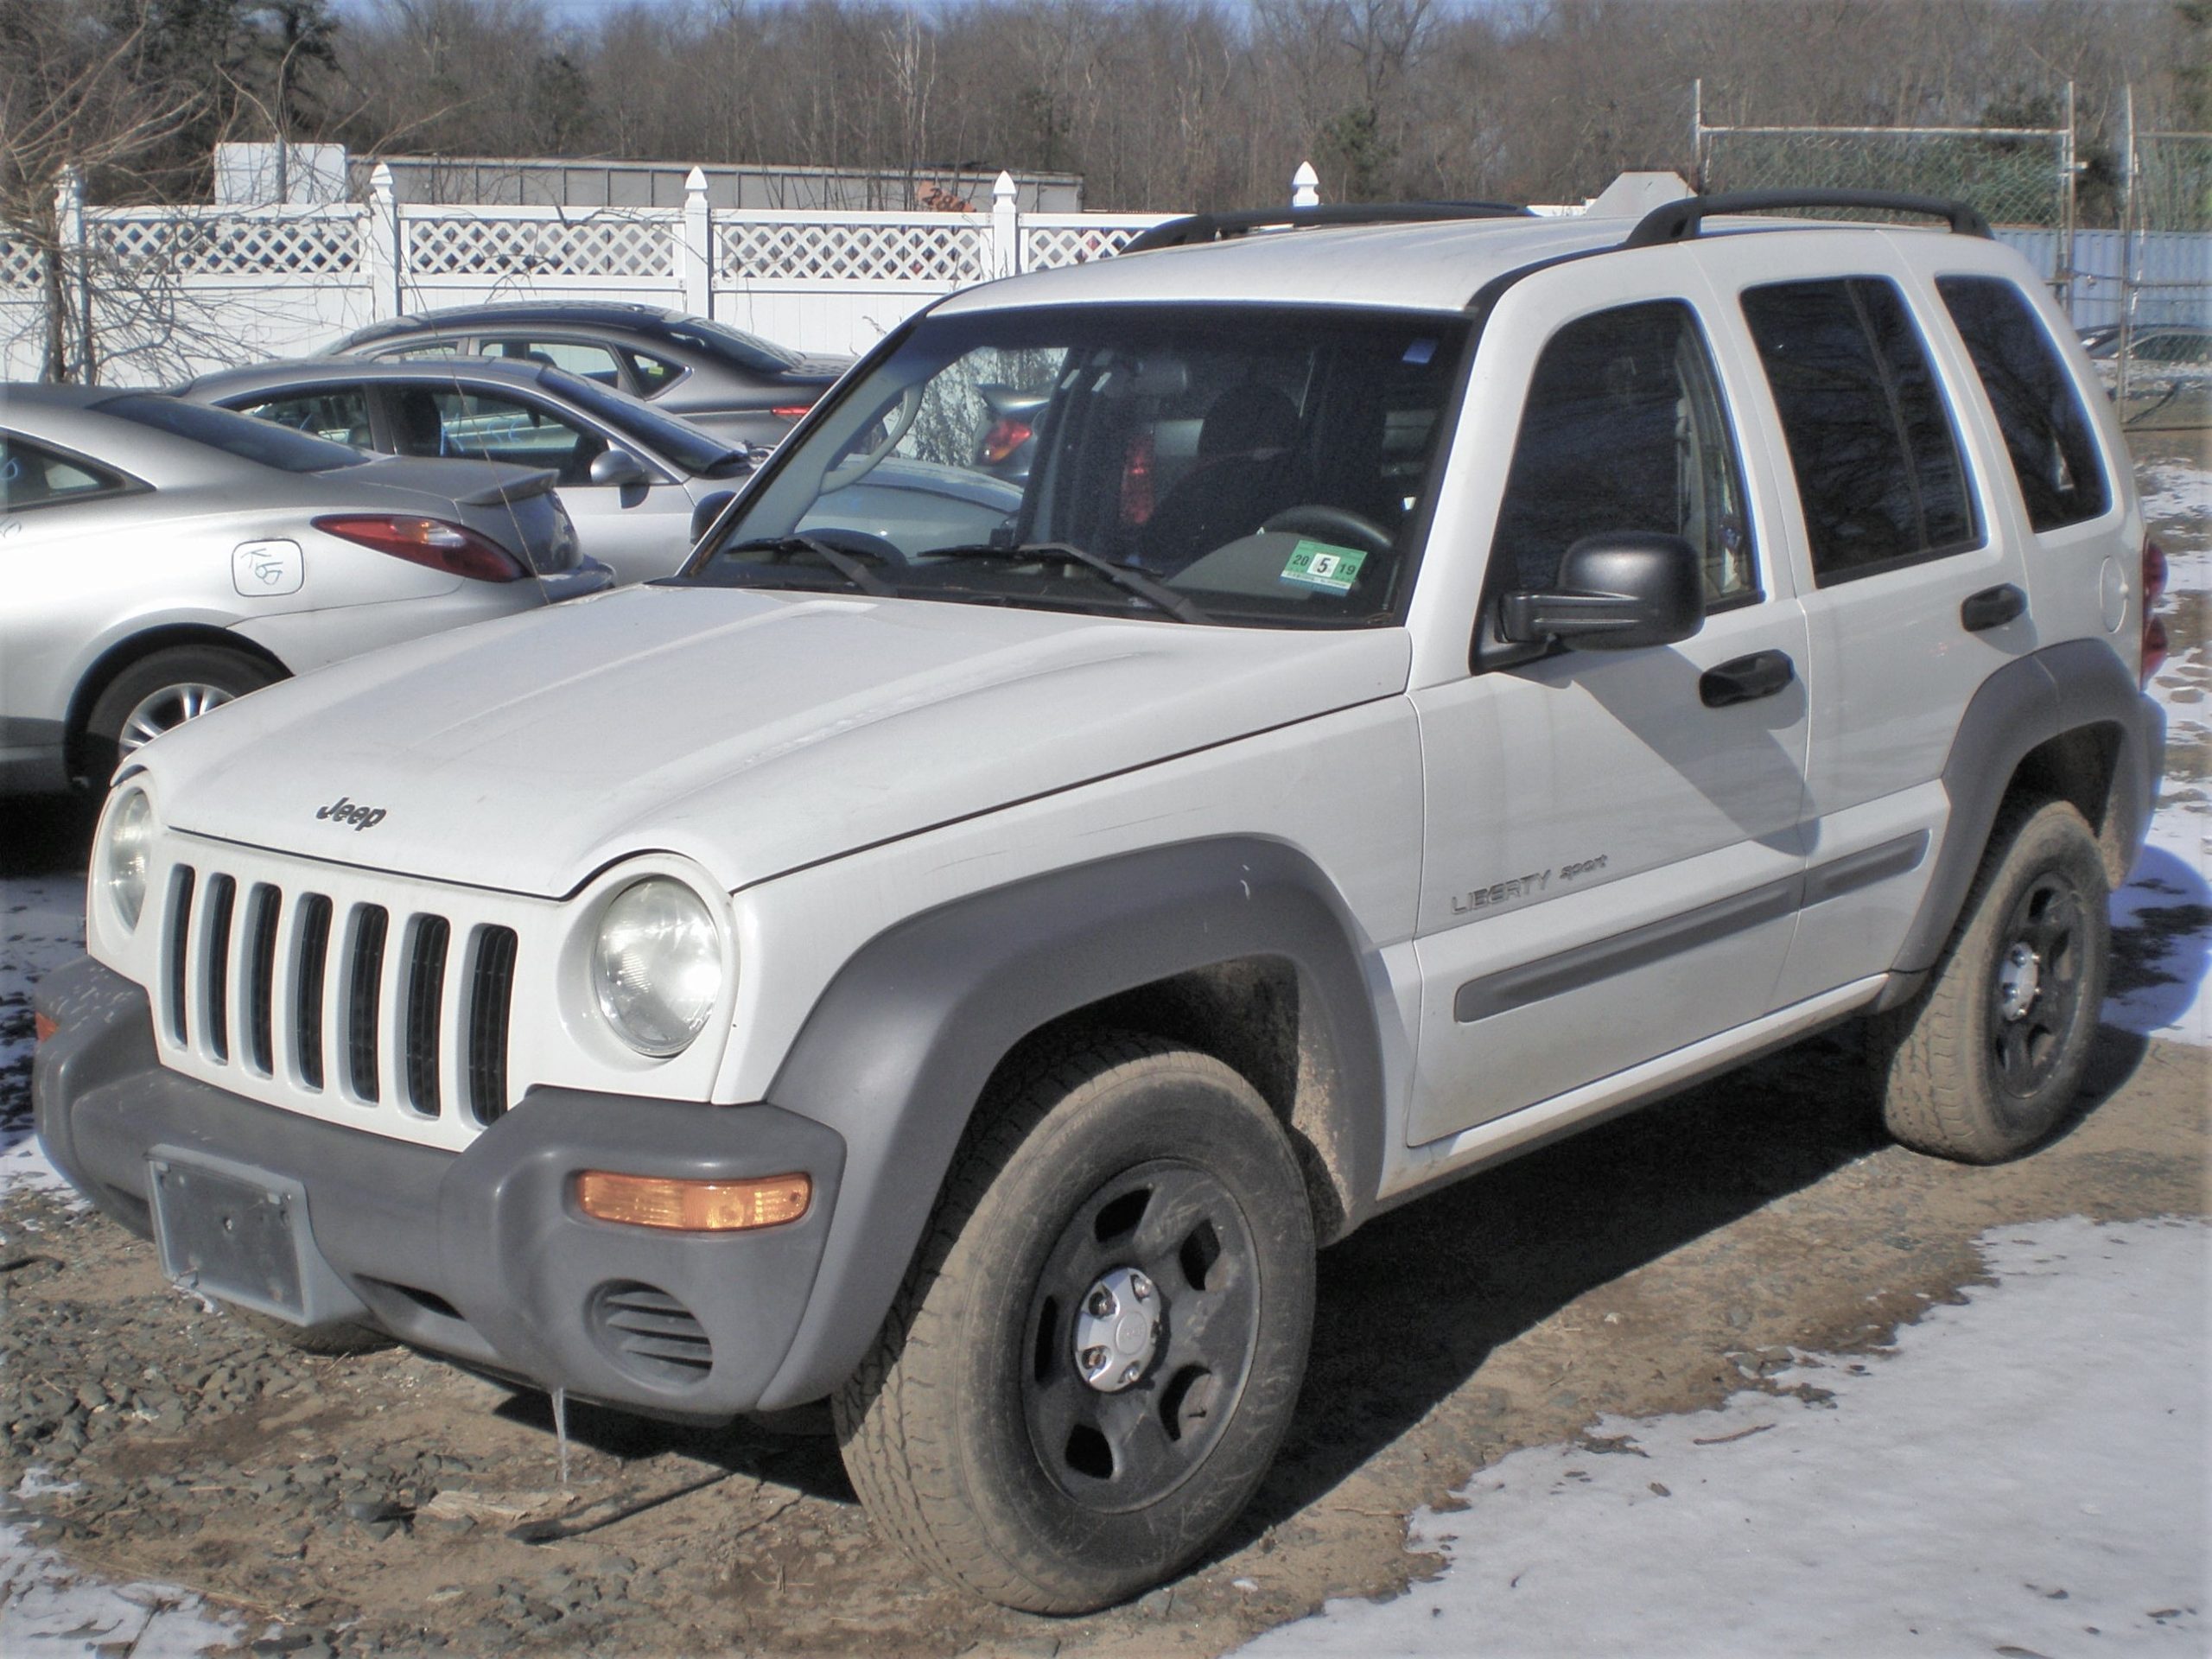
2038	405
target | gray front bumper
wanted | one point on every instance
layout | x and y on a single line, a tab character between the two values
480	1254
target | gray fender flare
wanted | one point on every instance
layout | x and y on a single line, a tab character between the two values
898	1048
2064	688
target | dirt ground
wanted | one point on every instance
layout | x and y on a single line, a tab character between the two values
393	1503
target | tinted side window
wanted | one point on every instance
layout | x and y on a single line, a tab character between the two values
30	476
1878	461
338	413
2046	429
1624	428
577	357
482	426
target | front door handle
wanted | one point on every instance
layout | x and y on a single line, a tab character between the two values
1992	608
1759	675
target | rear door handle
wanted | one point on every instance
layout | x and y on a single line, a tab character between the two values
1747	678
1992	608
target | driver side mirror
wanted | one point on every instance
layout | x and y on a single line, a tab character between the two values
618	467
1615	592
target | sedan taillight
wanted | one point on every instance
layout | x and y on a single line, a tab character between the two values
790	411
2154	589
454	549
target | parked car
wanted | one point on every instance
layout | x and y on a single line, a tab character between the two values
2169	373
1445	684
745	388
161	558
634	478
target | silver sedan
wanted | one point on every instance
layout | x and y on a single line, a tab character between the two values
640	483
161	558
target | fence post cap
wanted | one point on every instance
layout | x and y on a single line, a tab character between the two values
381	181
695	181
1306	187
1003	187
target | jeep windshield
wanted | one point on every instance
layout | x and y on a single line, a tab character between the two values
1264	466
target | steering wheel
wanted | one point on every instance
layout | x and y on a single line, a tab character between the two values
910	405
1336	525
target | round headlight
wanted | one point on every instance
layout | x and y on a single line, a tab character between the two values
129	849
657	965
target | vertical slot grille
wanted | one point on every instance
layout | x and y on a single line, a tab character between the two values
180	997
364	994
491	993
307	987
215	954
262	911
426	986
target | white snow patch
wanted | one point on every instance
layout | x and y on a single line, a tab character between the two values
2024	1472
2174	490
48	1609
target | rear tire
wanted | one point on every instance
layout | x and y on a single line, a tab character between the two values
1984	1061
1098	1347
161	691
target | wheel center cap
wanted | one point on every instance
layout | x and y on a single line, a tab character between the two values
1117	1330
2018	978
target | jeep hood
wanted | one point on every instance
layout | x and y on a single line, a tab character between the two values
752	732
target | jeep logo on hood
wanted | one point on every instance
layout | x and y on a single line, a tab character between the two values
342	811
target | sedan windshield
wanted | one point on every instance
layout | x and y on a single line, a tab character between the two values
234	434
1264	466
699	453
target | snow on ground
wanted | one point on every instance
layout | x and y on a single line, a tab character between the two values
2175	492
48	1609
1944	1499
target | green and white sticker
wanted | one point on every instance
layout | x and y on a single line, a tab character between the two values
1318	564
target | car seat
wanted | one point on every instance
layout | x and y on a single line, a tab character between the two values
1241	477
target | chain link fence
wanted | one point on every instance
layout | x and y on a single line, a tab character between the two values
2015	176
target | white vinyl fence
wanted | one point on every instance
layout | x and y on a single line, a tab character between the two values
174	291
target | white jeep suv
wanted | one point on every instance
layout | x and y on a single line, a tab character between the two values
1446	680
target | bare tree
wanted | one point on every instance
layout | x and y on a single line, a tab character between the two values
72	110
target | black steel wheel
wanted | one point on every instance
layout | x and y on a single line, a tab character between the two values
1984	1061
1100	1342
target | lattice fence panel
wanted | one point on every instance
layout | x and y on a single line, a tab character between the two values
854	254
606	247
1044	246
2012	179
230	244
19	264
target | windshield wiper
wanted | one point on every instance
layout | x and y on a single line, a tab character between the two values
1134	581
845	564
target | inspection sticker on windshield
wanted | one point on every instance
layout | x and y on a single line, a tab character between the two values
1317	564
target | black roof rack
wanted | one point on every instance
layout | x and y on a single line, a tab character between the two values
1197	229
1677	221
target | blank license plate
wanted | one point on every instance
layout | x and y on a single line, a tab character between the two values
229	1234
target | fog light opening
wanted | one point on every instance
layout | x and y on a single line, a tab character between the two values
693	1206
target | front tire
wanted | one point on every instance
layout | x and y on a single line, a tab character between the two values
1098	1347
1984	1061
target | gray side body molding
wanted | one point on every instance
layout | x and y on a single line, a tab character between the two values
898	1050
2063	688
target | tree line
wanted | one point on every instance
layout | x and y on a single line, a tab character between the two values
1158	104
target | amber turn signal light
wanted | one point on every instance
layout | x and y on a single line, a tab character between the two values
693	1206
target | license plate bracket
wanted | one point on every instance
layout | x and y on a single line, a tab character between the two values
237	1234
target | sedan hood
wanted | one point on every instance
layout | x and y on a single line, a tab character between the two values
752	732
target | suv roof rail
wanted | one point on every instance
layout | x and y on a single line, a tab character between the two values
1677	221
1194	230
